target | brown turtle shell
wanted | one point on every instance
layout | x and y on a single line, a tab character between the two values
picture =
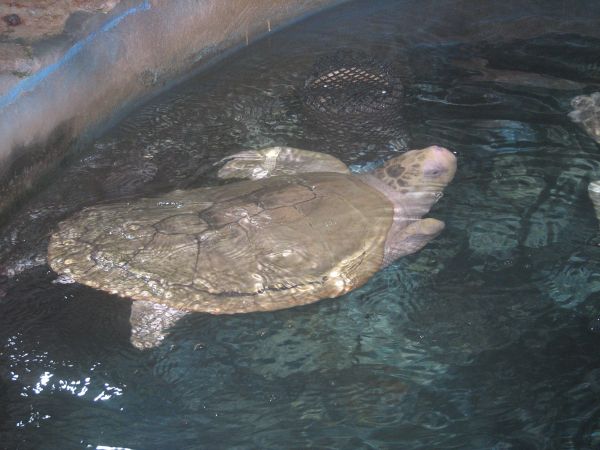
249	246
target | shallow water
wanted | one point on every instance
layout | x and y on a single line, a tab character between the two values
487	338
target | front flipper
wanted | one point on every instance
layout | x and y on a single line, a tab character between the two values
594	193
149	322
411	239
272	161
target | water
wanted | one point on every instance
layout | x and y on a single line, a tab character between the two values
486	339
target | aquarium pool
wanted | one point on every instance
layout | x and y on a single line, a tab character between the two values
488	338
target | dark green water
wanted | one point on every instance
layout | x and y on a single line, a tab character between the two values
488	338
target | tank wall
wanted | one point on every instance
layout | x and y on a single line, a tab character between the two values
119	58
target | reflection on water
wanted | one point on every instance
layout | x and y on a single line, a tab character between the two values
488	338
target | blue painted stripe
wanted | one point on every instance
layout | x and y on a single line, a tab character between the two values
28	84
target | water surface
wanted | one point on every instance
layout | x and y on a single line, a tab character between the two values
486	339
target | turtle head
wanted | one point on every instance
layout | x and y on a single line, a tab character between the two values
429	169
419	176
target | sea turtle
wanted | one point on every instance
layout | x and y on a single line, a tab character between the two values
302	228
586	111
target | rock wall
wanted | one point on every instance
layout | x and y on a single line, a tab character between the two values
67	67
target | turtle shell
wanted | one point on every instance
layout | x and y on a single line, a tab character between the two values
249	246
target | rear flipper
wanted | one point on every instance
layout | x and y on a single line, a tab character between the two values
149	323
272	161
411	239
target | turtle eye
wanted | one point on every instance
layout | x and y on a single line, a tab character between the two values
434	172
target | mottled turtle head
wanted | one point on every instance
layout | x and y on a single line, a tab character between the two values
418	176
431	168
